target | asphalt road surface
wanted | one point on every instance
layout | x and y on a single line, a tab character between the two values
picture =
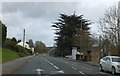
47	66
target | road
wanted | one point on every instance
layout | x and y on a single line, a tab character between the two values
58	65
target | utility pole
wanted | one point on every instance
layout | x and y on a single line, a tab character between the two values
119	27
81	38
24	38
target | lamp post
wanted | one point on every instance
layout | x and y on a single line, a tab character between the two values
80	38
81	34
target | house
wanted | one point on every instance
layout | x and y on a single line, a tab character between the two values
27	46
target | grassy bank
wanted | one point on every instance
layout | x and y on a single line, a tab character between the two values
9	55
0	55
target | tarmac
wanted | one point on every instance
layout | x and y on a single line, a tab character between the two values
12	66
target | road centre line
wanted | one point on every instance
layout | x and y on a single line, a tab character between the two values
81	73
56	67
51	64
73	68
66	62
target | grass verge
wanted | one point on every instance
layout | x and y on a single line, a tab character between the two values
9	55
0	55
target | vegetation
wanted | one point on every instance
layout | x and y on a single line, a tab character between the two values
72	30
40	47
109	32
31	44
22	52
8	55
3	33
0	55
10	44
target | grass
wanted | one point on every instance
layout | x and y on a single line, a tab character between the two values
0	55
8	55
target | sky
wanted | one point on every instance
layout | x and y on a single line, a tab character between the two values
36	17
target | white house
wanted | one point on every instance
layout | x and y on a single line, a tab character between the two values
25	45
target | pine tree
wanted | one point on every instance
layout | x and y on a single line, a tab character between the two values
71	30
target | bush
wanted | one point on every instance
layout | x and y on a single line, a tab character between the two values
10	45
23	52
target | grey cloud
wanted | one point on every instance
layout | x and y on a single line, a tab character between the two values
39	9
37	17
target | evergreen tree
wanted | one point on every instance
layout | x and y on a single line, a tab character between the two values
71	30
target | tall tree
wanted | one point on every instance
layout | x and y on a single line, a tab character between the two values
40	47
14	40
10	44
31	44
70	31
109	27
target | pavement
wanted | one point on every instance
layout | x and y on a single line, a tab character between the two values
12	66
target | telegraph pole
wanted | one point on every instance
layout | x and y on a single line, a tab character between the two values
119	27
24	38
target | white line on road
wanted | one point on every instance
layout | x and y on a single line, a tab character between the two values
46	60
39	71
81	73
66	62
73	68
51	64
56	67
62	72
102	73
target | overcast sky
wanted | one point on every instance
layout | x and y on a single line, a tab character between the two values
37	17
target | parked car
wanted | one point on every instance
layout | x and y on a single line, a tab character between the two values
110	63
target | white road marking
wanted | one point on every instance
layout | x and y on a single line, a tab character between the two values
102	73
66	62
51	64
56	67
73	68
58	72
81	73
46	60
39	71
61	71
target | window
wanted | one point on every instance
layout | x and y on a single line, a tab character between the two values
106	59
115	59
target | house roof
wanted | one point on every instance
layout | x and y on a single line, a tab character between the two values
25	45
